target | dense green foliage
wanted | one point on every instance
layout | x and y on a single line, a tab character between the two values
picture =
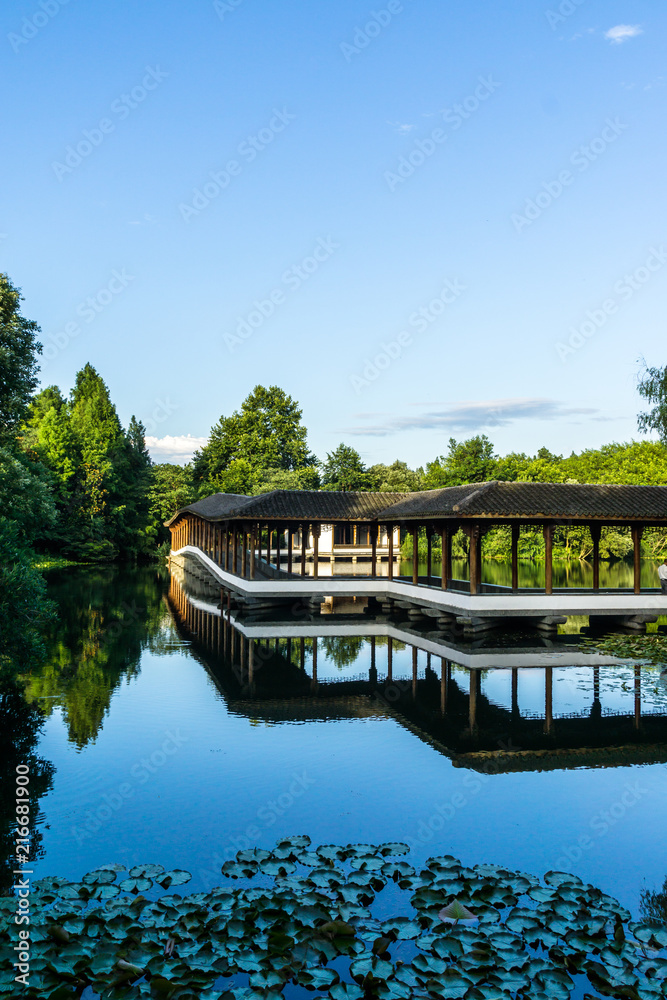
324	918
652	386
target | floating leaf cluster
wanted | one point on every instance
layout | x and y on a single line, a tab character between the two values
297	918
652	648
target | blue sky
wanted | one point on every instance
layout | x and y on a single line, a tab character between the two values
421	219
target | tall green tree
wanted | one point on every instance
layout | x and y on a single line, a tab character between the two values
267	433
652	386
19	348
471	461
345	471
396	478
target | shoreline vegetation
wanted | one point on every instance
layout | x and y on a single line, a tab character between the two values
76	486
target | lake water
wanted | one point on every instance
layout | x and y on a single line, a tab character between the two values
168	736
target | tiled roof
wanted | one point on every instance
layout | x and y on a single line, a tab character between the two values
548	500
218	505
318	505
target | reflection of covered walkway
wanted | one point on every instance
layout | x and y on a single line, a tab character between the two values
266	675
253	545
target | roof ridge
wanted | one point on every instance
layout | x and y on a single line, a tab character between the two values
483	488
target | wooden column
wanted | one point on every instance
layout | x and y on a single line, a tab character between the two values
443	686
515	692
548	699
473	557
305	529
290	539
244	552
253	539
596	531
446	558
278	533
638	697
415	554
390	658
390	551
227	545
429	553
637	532
516	529
548	557
235	549
316	549
414	671
302	653
373	528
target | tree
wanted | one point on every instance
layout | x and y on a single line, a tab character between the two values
396	478
344	470
279	479
652	386
171	488
471	461
267	433
19	348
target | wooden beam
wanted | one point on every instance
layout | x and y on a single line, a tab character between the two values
637	531
516	530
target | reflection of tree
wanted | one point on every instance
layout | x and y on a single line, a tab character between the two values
20	725
105	618
342	650
653	905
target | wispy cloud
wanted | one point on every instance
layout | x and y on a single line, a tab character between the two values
476	415
177	448
621	33
401	128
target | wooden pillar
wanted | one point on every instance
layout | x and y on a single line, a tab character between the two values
473	557
596	531
390	551
390	658
443	686
638	697
475	678
415	653
235	549
373	528
316	549
253	538
227	545
278	533
305	530
290	538
515	692
244	552
415	554
548	699
429	553
548	531
251	655
516	530
446	558
637	532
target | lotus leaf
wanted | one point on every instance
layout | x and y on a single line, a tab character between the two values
178	876
346	991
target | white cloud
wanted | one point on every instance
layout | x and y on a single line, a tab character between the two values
621	33
399	127
177	448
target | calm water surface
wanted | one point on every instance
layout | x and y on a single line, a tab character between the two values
157	747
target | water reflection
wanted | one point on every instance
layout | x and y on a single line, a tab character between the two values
486	707
95	643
